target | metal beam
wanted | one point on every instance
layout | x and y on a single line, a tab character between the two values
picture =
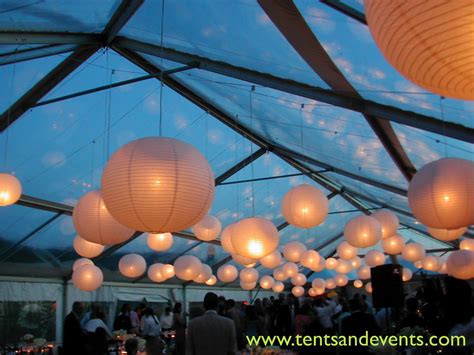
26	38
268	178
21	55
239	166
45	205
346	10
120	18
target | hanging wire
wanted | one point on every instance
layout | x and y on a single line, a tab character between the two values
92	163
301	128
108	103
7	133
237	136
160	121
441	107
207	134
251	149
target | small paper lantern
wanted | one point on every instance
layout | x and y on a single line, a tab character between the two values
204	275
358	283
356	262
81	262
298	280
267	282
272	260
10	189
412	37
305	206
346	251
242	260
187	267
363	273
331	263
330	284
341	280
158	184
389	222
444	268
460	264
310	259
319	291
95	224
255	237
159	241
247	285
167	270
155	273
290	269
312	292
226	241
343	266
132	265
441	194
293	251
87	249
418	264
279	274
87	278
467	244
227	273
278	287
447	235
297	291
363	231
406	274
248	275
368	287
318	283
207	229
393	245
431	263
212	281
320	266
374	258
413	252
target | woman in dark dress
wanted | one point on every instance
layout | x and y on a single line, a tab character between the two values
179	325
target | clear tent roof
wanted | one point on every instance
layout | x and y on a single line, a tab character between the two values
244	82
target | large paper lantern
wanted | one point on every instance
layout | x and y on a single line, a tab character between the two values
310	259
413	252
318	283
431	263
305	206
447	235
343	266
406	274
255	237
159	241
187	267
247	286
460	264
226	241
297	291
10	189
212	281
331	263
155	273
356	262
280	275
467	244
227	273
346	251
293	251
374	258
87	278
290	269
363	272
204	275
94	223
330	284
248	275
158	184
267	282
271	260
368	287
167	270
393	245
81	262
358	283
299	279
132	265
242	260
341	280
363	231
441	193
413	37
87	249
389	222
208	228
278	287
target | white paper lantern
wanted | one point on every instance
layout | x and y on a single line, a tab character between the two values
279	274
467	244
305	206
320	291
431	263
418	264
255	237
242	260
389	222
293	251
167	270
87	278
267	282
159	241
363	231
187	267
87	249
374	258
132	265
312	292
272	260
393	245
10	189
318	283
358	283
247	286
341	280
460	264
95	224
204	275
447	235
444	268
212	281
356	262
331	263
343	266
368	287
320	266
227	273
298	280
413	252
155	273
441	194
297	291
346	251
290	269
363	273
81	262
310	259
208	228
226	240
330	284
278	287
406	274
248	275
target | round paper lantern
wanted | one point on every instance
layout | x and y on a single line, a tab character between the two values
267	282
356	262
363	231
343	266
363	272
81	262
279	274
374	258
227	273
212	281
460	264
331	263
208	228
255	237
158	184
87	278
413	252
298	280
242	260
444	268
132	265
155	273
87	249
297	291
393	245
330	284
358	283
441	194
389	222
95	224
319	291
10	189
412	37
278	287
305	206
447	235
318	283
293	251
341	280
368	287
248	275
204	275
418	264
346	251
167	270
310	259
226	241
320	266
247	285
431	263
406	274
272	260
312	292
467	244
290	269
159	241
187	267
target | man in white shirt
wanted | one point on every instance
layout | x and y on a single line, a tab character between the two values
150	325
97	322
166	320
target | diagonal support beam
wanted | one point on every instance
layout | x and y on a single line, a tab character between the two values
346	10
22	55
120	18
